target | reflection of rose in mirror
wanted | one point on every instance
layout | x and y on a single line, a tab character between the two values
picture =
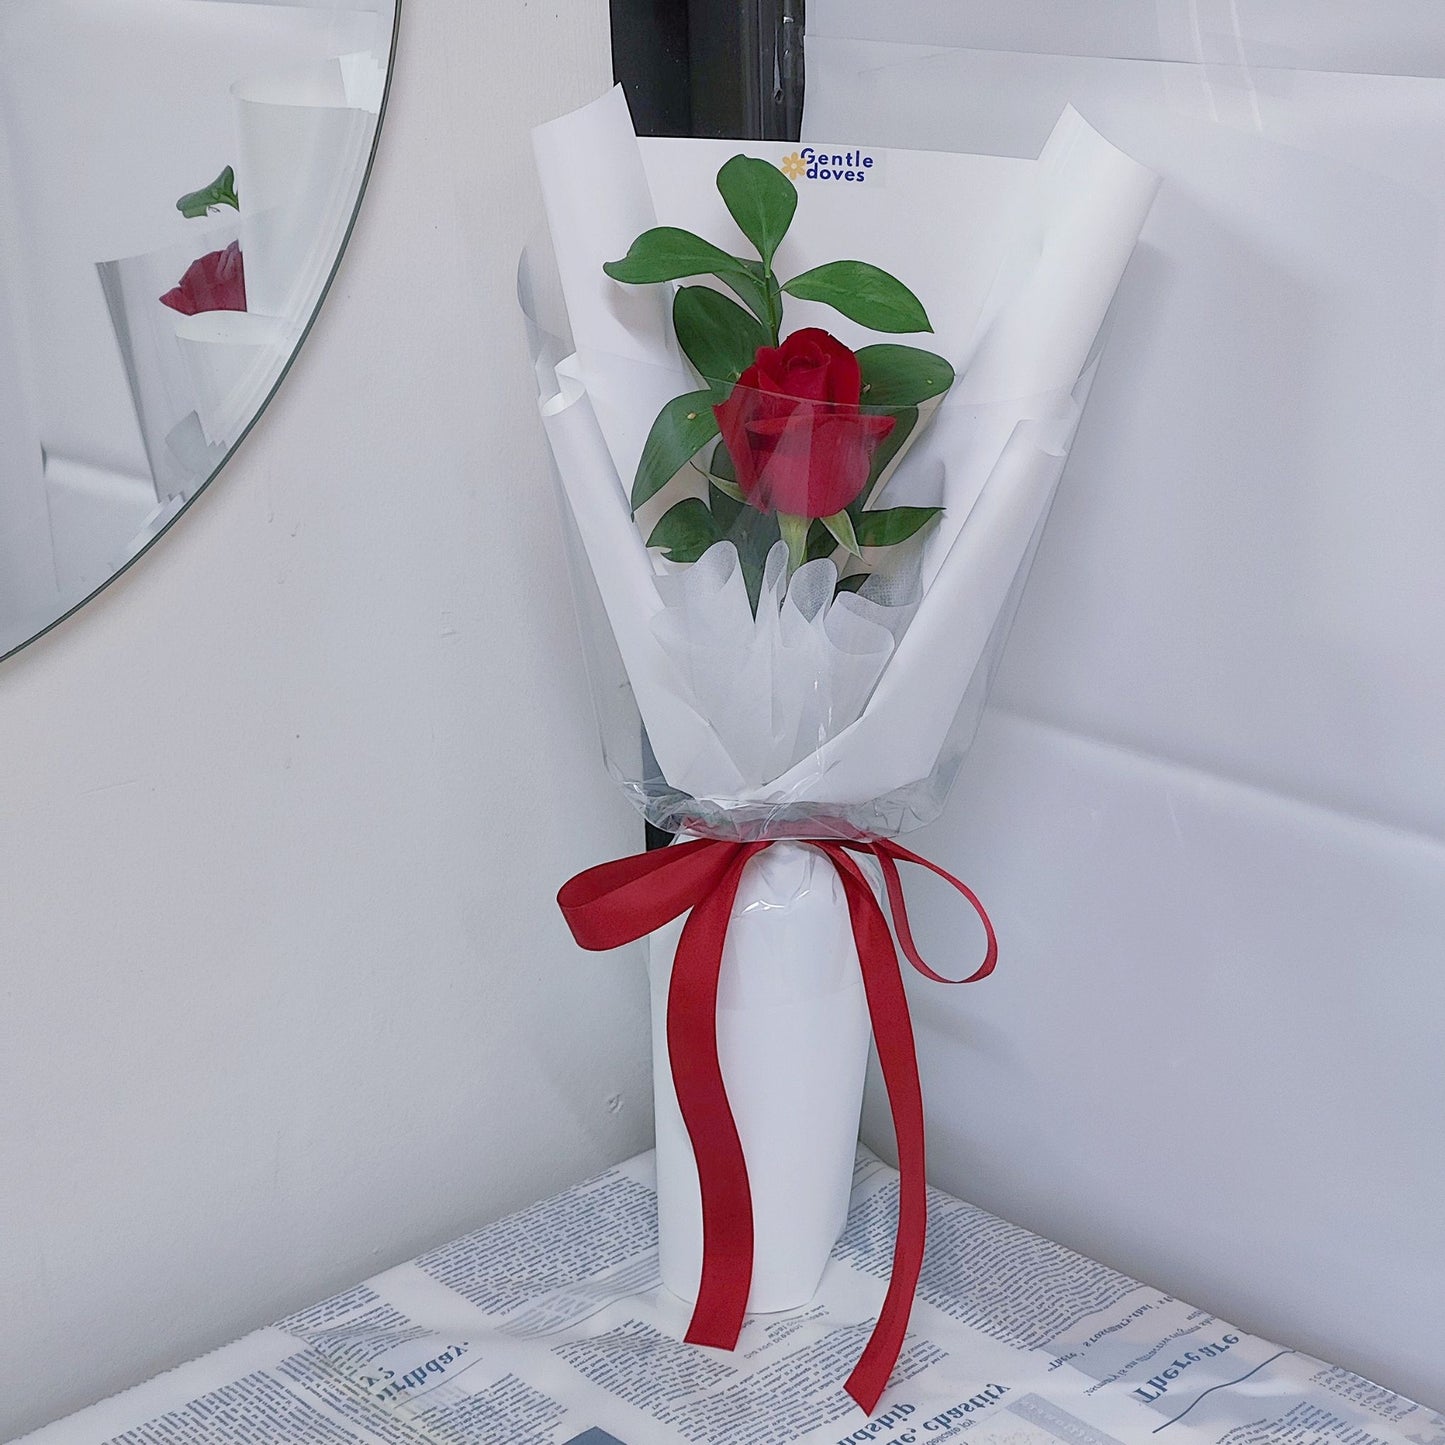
150	345
214	282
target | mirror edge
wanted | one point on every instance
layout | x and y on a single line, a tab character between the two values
285	371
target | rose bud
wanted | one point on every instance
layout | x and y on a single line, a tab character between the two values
793	426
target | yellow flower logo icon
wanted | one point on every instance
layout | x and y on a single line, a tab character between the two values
793	166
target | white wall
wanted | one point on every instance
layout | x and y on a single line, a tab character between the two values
284	996
1208	807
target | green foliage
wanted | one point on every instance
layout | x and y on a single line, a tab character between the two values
683	427
896	375
840	528
721	340
761	199
891	525
821	543
726	509
794	532
864	294
717	335
721	465
904	420
685	531
667	253
754	533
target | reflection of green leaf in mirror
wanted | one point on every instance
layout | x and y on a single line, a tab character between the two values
221	192
761	199
863	293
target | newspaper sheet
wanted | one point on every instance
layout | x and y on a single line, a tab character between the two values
552	1326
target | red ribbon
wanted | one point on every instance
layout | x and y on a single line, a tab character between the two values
620	902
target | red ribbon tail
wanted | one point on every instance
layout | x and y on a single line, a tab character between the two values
893	1033
722	1172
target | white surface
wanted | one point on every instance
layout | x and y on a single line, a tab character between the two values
551	1325
1211	1054
793	1036
284	996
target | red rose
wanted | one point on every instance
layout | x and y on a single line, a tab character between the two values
794	429
216	282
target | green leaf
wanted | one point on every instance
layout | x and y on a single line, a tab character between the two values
761	199
896	375
719	337
221	192
794	532
821	543
683	427
758	291
721	467
754	533
904	420
666	253
840	526
863	294
851	583
725	509
891	525
685	531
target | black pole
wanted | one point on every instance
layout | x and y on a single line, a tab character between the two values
711	67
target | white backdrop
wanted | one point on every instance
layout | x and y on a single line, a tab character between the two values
284	995
1208	806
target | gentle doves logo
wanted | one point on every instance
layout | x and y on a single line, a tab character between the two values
858	167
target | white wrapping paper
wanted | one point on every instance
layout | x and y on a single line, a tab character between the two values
793	1040
1018	262
815	716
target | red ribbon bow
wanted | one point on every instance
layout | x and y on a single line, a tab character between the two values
622	901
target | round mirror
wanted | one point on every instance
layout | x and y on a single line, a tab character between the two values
177	181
